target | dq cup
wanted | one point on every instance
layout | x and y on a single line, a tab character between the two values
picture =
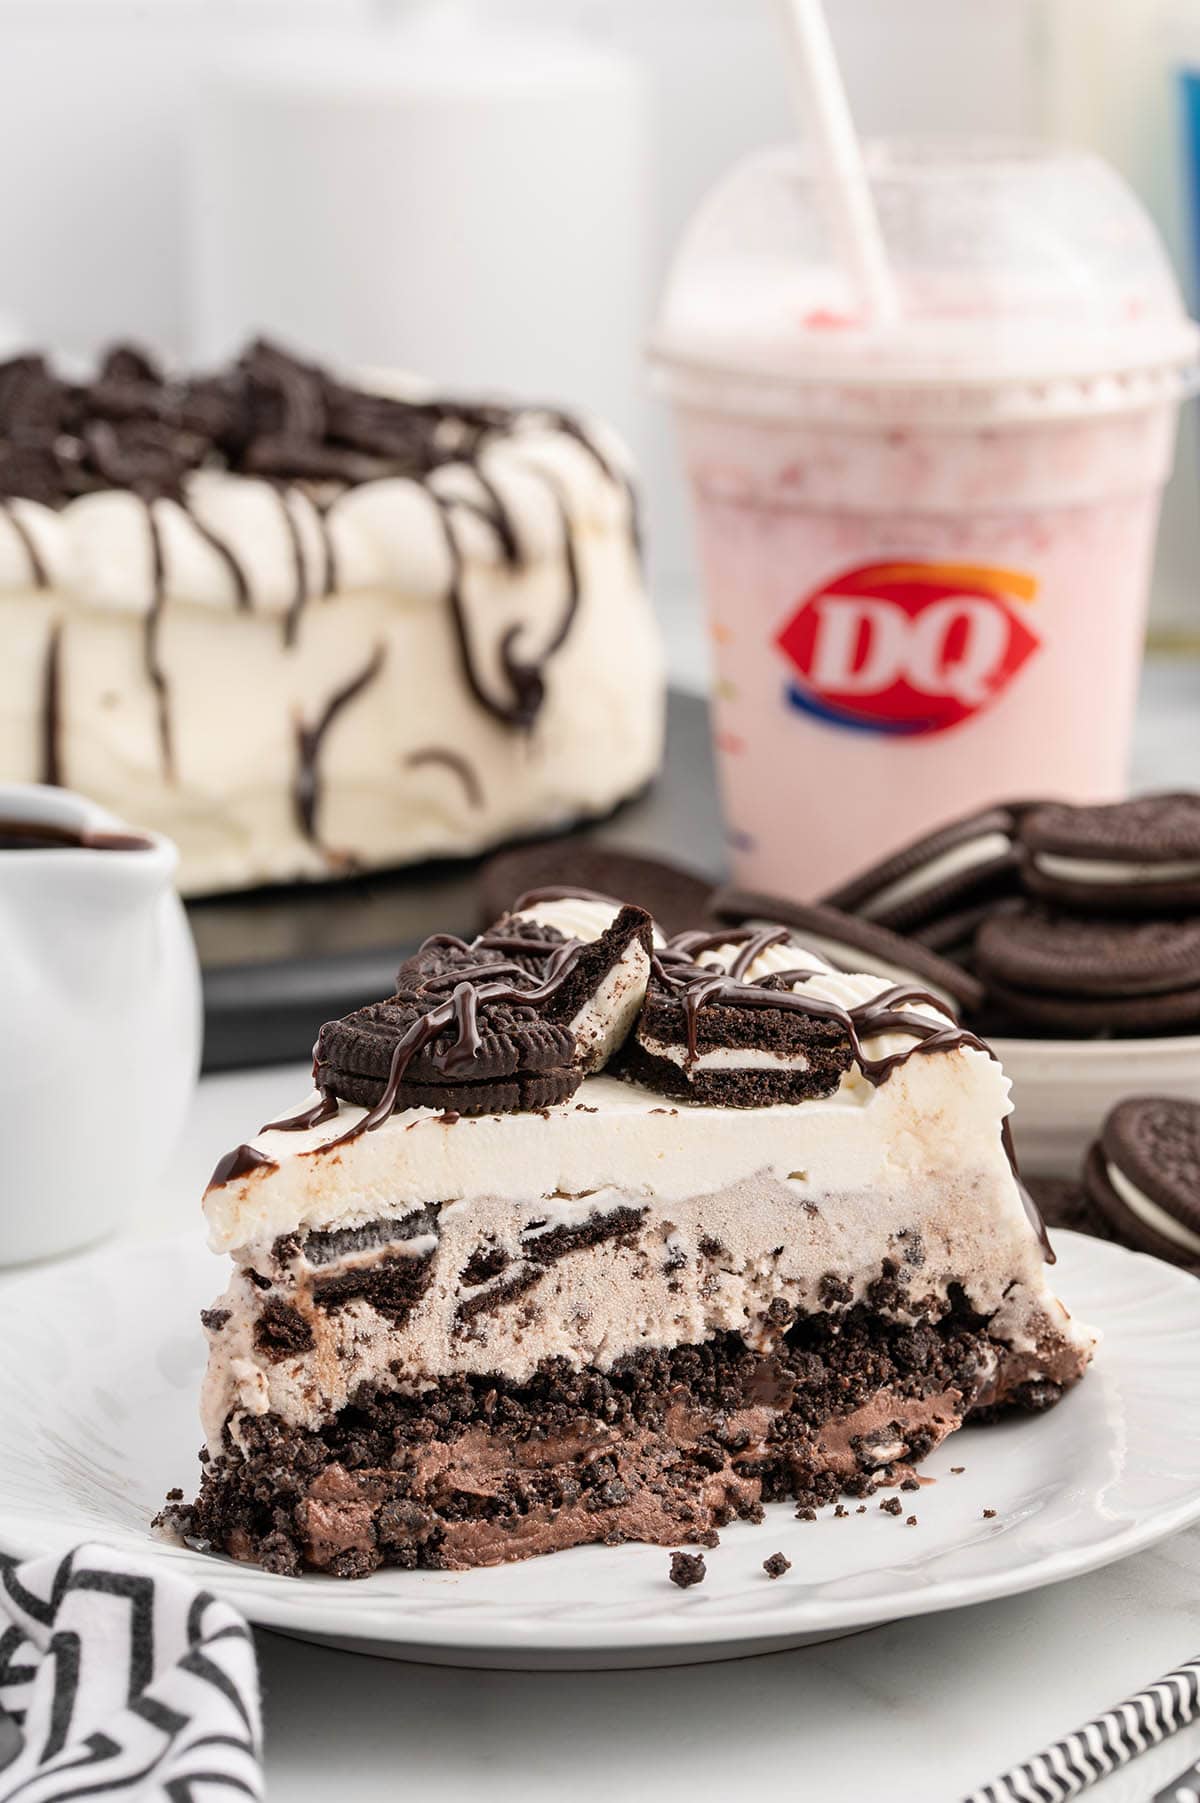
926	546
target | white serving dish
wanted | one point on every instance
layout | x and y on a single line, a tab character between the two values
1063	1088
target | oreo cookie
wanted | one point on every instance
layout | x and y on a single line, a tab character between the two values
852	944
1091	975
1129	857
507	1022
1143	1175
964	862
737	1051
675	897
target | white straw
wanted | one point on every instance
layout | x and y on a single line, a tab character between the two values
824	112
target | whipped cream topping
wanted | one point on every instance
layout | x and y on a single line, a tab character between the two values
841	956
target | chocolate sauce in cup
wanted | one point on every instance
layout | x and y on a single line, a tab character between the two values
926	543
100	1000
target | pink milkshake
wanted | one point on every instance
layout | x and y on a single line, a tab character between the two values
926	546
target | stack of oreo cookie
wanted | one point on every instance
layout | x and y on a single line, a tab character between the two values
1032	919
1074	922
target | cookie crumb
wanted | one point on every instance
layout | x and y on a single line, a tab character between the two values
861	1509
891	1505
687	1569
806	1514
776	1565
911	1483
175	1495
957	1470
841	1513
989	1514
910	1521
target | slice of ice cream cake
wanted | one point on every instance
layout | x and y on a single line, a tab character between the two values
588	1237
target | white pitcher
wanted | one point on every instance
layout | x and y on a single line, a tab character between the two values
100	1019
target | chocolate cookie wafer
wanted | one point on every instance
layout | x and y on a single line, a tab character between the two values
962	862
1143	1174
1136	857
850	943
1087	975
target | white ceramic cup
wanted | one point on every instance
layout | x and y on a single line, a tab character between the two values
100	1021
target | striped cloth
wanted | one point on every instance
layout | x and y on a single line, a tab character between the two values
122	1684
1103	1745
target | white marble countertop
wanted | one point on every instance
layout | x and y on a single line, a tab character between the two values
919	1712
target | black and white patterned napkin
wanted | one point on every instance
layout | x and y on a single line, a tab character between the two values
123	1683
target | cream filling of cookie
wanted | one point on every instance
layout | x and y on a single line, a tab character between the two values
1112	870
1151	1213
726	1058
955	862
605	1019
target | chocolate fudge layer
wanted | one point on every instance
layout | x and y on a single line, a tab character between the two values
782	1252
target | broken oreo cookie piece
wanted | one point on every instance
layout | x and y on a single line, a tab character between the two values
510	1021
709	1031
601	994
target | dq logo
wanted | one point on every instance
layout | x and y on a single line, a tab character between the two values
908	647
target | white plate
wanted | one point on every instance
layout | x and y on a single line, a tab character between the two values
1063	1088
100	1422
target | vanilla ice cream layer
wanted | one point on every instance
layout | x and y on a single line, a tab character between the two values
723	1213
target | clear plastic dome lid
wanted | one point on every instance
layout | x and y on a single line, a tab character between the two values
1025	272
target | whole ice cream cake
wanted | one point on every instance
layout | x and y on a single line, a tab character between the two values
588	1236
305	629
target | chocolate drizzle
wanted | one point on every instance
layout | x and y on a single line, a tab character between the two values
309	739
291	620
154	666
239	1163
37	569
50	762
323	1109
525	677
454	762
233	563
